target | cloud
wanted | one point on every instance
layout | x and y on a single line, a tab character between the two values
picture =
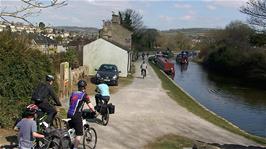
187	17
166	18
211	7
225	3
182	5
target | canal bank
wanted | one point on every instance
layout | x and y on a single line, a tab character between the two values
193	106
239	103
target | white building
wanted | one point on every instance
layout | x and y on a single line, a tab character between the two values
102	51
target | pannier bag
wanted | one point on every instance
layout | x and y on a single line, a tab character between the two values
111	108
87	114
103	109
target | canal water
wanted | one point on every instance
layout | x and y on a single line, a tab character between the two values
243	106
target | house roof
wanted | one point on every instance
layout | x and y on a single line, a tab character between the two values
41	39
117	44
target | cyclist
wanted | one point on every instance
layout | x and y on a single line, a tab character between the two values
143	55
27	128
102	90
143	68
76	103
41	96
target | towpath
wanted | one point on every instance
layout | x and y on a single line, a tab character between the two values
144	112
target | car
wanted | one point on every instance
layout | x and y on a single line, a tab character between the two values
109	73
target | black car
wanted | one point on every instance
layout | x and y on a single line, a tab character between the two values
109	73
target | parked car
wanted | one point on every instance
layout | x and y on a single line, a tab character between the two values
109	73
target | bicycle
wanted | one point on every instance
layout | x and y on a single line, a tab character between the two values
103	109
50	142
89	139
40	118
143	73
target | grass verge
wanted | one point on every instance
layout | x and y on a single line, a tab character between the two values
170	142
184	100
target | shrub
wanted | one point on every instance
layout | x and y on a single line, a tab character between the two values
21	69
21	66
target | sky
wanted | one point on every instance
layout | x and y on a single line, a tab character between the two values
158	14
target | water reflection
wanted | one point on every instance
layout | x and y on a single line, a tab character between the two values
243	106
183	67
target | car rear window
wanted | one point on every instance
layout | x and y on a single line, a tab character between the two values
107	68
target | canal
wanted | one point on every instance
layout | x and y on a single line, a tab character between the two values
243	106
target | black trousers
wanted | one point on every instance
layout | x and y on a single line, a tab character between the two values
99	97
50	110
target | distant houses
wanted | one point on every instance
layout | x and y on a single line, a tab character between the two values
45	44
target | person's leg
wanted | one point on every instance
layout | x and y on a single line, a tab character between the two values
77	142
77	125
50	110
97	99
106	99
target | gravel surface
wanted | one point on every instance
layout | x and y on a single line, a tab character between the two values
144	112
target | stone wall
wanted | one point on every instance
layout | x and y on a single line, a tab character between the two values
79	73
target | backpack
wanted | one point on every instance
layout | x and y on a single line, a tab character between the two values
60	136
37	95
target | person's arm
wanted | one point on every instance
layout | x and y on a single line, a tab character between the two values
37	135
34	130
97	90
88	102
54	96
16	128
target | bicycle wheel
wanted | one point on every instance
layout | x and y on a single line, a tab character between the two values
57	122
89	138
105	117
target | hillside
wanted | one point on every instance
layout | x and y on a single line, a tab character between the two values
189	31
78	29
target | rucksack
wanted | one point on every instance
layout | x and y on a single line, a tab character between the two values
38	95
60	136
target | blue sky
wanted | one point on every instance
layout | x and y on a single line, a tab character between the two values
162	15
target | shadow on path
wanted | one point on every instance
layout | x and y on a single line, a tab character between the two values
12	142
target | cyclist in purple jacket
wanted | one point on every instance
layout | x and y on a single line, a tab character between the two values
76	103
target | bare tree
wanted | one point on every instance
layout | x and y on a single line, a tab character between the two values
28	8
131	19
256	9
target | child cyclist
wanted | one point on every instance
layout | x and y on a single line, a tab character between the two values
27	128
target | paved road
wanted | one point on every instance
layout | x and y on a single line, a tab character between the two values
144	112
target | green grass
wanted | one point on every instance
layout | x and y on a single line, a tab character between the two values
184	100
170	142
62	113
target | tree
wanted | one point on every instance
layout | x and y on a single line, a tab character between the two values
256	9
59	39
28	8
146	39
131	20
41	25
238	34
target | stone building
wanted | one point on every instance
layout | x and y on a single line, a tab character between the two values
113	31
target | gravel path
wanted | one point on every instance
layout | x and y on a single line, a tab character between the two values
144	112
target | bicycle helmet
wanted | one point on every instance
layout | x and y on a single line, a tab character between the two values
49	78
82	83
30	110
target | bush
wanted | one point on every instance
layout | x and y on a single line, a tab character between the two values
21	69
21	66
10	110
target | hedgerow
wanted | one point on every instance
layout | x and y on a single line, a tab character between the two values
21	69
